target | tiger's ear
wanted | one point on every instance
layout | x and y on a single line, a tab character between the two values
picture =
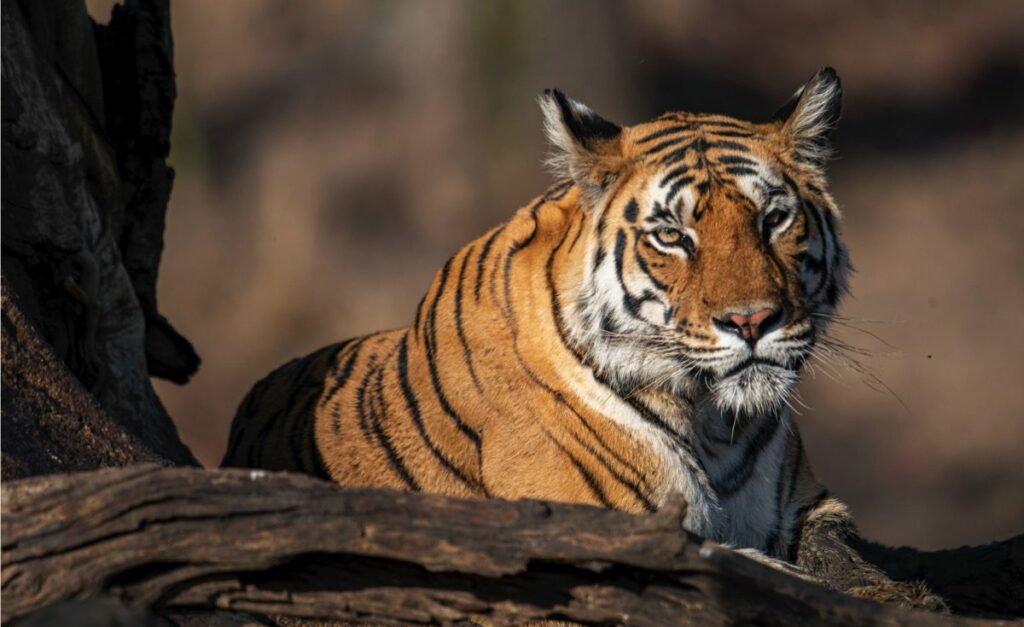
584	146
809	117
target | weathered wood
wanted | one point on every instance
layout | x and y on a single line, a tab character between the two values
190	541
50	421
137	56
81	227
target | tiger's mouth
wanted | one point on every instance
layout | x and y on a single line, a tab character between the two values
756	385
750	362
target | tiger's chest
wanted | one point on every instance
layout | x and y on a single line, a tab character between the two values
733	485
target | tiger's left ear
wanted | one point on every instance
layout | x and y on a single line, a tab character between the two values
584	146
809	117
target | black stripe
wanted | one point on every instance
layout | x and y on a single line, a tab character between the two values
813	212
599	255
669	143
643	411
481	260
646	270
741	473
674	174
735	159
305	417
430	345
670	130
725	144
795	471
644	500
630	302
676	188
560	399
710	121
632	209
739	170
343	376
790	183
734	133
678	154
507	277
579	231
466	354
417	418
419	314
362	409
660	213
701	205
383	438
587	477
781	504
558	190
832	294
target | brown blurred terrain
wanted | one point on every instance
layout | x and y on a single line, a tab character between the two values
331	155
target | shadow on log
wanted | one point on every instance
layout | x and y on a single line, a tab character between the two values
190	542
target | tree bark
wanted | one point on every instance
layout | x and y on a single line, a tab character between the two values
189	542
85	191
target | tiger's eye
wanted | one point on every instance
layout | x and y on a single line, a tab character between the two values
774	218
668	237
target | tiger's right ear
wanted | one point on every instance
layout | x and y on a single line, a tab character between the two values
809	117
584	146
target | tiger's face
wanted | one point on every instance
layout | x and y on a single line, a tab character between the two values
715	259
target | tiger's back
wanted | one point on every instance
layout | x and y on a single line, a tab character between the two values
421	408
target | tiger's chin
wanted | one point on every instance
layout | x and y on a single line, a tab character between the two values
755	389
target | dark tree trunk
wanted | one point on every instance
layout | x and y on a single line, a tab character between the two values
85	188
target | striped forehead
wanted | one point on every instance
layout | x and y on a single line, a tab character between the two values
682	174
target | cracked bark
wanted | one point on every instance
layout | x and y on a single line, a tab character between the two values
286	547
85	191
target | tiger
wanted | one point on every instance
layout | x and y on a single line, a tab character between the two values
633	333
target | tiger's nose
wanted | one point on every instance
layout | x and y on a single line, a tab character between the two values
750	326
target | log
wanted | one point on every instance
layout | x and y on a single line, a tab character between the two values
189	542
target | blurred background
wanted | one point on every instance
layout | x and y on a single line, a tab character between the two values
331	155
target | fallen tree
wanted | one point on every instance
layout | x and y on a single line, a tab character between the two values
190	542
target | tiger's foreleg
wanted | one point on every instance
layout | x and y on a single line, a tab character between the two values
824	552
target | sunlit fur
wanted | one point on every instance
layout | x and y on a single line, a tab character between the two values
571	354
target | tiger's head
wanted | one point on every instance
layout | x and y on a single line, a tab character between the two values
713	260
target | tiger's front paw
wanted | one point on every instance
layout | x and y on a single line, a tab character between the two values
913	594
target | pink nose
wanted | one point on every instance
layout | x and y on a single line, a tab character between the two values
750	326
